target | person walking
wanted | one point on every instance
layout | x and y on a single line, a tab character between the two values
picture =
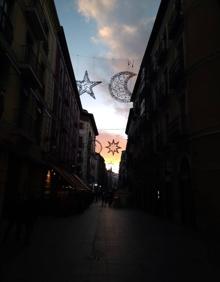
103	198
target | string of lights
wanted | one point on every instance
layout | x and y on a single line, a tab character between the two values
130	61
103	129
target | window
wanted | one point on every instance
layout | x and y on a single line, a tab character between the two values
81	125
80	141
5	23
4	6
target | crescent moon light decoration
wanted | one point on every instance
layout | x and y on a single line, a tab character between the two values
118	86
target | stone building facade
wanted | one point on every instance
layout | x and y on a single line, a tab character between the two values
32	43
86	154
173	128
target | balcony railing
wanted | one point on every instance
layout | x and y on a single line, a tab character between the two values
6	26
30	65
37	19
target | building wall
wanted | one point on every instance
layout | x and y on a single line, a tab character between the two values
174	130
50	60
202	63
88	133
66	111
84	150
99	171
31	44
22	85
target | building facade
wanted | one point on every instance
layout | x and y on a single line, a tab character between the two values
100	171
112	181
86	153
66	110
25	38
37	130
123	177
173	128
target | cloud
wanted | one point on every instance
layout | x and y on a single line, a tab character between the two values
123	26
95	9
105	32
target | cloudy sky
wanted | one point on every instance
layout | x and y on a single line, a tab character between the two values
106	37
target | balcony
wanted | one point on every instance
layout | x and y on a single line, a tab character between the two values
37	20
30	67
175	24
6	27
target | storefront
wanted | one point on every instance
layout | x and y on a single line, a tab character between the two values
65	192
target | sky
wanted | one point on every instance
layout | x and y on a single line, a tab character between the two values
105	38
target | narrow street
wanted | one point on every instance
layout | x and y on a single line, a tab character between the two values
107	244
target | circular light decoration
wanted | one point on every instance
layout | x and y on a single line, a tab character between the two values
113	147
98	146
118	86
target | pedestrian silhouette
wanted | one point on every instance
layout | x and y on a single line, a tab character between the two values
110	198
103	198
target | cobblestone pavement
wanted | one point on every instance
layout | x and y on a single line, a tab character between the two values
107	244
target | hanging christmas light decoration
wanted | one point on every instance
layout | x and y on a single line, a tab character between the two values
113	147
98	146
118	86
86	85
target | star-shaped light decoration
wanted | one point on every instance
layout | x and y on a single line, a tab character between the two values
113	147
86	85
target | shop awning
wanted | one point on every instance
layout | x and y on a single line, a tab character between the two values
74	181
